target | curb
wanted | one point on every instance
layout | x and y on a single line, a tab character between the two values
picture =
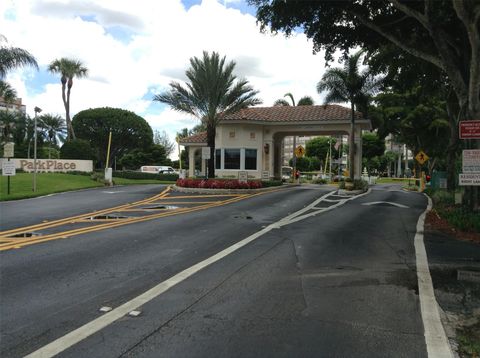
229	191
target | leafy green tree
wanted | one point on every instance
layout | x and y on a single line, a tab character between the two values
154	155
349	84
78	149
212	91
319	147
372	145
129	131
162	139
68	70
12	58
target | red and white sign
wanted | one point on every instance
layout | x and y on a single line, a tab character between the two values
469	129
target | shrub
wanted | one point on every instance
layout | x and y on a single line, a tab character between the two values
269	183
218	184
320	181
130	174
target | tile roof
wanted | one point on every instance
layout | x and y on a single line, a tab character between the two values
292	114
197	138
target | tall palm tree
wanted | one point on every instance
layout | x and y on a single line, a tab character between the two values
212	91
349	84
54	128
68	69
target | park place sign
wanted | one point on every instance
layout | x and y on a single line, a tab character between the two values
53	165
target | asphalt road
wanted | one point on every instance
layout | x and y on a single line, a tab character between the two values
17	213
338	284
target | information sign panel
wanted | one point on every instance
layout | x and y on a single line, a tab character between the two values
205	152
471	161
8	168
469	179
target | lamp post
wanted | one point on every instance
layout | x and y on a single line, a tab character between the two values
37	110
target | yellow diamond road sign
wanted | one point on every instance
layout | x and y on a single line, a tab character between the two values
299	151
421	157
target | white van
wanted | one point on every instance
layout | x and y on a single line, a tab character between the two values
157	169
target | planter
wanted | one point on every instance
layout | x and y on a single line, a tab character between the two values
349	185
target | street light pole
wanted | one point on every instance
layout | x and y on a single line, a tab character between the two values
37	110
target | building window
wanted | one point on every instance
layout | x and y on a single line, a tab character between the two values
232	158
218	158
250	159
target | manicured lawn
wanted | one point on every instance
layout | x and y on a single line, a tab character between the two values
47	183
393	180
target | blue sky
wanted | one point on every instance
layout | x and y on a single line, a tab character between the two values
134	49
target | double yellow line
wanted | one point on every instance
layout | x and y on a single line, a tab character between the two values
8	243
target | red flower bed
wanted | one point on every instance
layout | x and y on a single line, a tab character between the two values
218	184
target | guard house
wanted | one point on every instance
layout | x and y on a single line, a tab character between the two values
250	140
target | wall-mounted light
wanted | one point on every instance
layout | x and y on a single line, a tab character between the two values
266	148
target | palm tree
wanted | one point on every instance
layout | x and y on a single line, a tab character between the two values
10	59
7	92
349	84
68	69
304	101
212	91
55	129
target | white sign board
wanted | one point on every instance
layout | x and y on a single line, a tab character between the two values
472	179
53	165
8	150
8	168
242	176
205	152
265	175
471	160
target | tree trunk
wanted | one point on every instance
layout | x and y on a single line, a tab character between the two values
352	142
211	144
67	110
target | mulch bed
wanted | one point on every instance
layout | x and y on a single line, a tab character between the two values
435	222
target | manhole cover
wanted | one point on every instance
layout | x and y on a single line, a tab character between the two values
26	234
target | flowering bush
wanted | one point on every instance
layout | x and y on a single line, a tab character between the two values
218	184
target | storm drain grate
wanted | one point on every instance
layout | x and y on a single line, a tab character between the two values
26	234
108	217
160	207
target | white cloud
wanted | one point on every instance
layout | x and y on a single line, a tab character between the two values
133	49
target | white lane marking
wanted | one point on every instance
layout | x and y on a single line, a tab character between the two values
81	333
134	313
113	192
386	202
105	309
435	337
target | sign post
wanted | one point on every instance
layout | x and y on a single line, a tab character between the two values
470	175
8	167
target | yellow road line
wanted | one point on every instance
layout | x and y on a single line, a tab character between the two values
72	219
116	223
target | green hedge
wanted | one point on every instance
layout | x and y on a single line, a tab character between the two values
127	174
268	183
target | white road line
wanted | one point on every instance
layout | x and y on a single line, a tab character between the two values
435	337
81	333
386	202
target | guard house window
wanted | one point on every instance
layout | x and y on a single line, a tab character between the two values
250	159
232	159
218	158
